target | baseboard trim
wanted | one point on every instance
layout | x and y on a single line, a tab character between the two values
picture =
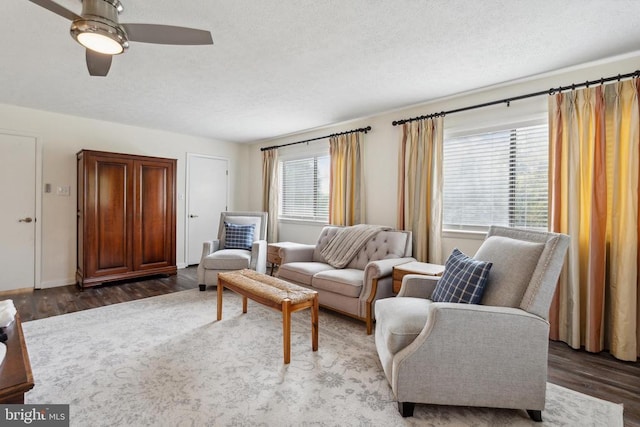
14	291
56	283
72	280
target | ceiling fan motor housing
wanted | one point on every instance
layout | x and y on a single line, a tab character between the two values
108	9
101	17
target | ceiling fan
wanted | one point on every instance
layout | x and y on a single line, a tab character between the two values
98	30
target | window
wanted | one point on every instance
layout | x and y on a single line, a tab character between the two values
496	178
304	188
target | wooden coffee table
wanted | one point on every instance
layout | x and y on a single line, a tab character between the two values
275	293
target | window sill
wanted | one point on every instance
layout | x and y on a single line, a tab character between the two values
302	222
464	234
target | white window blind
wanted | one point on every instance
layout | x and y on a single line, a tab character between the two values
496	178
304	188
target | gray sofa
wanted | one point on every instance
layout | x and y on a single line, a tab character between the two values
352	290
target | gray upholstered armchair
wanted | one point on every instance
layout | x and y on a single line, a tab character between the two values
241	244
492	354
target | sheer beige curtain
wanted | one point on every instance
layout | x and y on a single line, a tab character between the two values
420	187
346	183
593	165
270	192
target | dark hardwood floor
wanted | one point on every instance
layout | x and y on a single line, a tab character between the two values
599	375
43	303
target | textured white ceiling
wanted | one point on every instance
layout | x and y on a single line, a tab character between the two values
282	66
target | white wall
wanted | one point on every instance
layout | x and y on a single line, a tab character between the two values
381	144
62	136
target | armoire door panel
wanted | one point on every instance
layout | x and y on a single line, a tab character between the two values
80	174
154	215
112	220
107	224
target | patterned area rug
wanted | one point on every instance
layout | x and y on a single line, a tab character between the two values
165	361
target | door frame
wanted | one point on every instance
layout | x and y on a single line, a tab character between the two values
37	256
188	198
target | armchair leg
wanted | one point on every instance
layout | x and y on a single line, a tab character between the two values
406	409
535	415
203	288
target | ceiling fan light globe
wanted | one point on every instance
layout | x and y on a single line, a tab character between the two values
99	37
100	43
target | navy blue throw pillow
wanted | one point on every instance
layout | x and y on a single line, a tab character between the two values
238	236
463	280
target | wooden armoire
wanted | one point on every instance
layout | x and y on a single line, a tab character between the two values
126	217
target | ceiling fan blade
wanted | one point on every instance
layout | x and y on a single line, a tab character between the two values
57	9
98	63
166	34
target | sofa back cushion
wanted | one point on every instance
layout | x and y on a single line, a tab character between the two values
325	237
514	261
385	244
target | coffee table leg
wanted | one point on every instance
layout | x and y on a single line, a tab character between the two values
220	289
314	324
286	329
244	304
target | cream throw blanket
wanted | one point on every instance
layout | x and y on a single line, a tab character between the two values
347	242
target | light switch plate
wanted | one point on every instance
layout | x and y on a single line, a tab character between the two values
63	190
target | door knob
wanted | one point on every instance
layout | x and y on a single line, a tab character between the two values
193	216
27	219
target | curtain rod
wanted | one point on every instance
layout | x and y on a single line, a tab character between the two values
273	147
516	98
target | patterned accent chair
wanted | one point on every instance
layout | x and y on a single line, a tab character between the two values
228	254
492	354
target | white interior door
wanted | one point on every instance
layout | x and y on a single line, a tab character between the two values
18	213
206	199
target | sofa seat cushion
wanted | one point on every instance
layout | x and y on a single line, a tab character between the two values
402	320
228	259
345	281
301	272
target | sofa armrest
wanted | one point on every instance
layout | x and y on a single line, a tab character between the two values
384	267
376	270
503	346
377	284
208	247
418	286
298	253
